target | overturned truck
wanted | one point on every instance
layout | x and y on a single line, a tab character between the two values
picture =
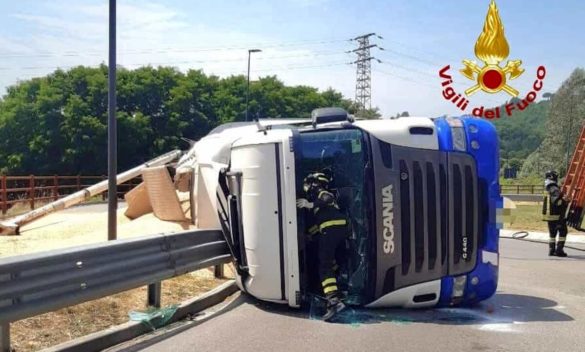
421	194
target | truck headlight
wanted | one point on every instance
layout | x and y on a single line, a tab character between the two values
457	134
459	286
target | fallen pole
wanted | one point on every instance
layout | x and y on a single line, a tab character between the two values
12	226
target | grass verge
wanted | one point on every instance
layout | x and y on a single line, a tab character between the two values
528	217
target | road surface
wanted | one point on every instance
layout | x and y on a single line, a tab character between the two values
539	306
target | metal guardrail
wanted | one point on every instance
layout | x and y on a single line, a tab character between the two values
38	283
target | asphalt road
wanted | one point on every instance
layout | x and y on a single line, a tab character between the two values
539	306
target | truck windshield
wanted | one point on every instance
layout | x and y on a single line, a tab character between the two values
343	152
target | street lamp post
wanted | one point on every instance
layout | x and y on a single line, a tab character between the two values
112	128
250	51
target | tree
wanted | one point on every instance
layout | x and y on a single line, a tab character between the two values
563	124
369	114
58	124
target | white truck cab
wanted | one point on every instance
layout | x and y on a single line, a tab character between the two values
390	179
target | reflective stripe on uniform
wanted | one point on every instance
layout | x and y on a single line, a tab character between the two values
313	229
551	240
327	192
321	176
562	239
329	281
328	289
330	223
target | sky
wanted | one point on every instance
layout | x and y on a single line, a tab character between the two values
303	42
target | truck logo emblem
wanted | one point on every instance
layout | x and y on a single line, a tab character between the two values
492	75
492	48
388	219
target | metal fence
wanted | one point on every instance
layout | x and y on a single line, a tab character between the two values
521	189
34	189
38	283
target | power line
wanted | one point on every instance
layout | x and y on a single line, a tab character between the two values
420	51
409	69
266	45
412	57
418	82
287	68
405	78
185	62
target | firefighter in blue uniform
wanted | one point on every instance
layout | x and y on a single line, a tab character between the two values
330	226
554	207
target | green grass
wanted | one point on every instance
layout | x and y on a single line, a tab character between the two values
527	217
530	180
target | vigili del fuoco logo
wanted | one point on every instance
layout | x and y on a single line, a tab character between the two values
493	76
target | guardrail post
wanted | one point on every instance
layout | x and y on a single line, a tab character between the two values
218	271
192	196
5	338
104	194
31	192
55	187
4	195
154	293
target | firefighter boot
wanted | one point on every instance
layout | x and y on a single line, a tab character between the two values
551	249
560	252
334	306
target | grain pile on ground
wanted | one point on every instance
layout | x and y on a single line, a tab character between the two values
78	226
83	225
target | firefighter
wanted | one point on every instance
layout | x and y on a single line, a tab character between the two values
554	206
330	226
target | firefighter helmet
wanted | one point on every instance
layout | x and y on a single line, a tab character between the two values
551	175
316	179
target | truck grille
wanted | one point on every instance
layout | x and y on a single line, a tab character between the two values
438	197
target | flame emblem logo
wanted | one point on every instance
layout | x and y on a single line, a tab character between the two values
492	48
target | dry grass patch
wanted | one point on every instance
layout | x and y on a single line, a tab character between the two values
69	323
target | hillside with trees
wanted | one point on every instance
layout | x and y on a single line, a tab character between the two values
562	127
58	124
522	133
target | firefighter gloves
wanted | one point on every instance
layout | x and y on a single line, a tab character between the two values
303	203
